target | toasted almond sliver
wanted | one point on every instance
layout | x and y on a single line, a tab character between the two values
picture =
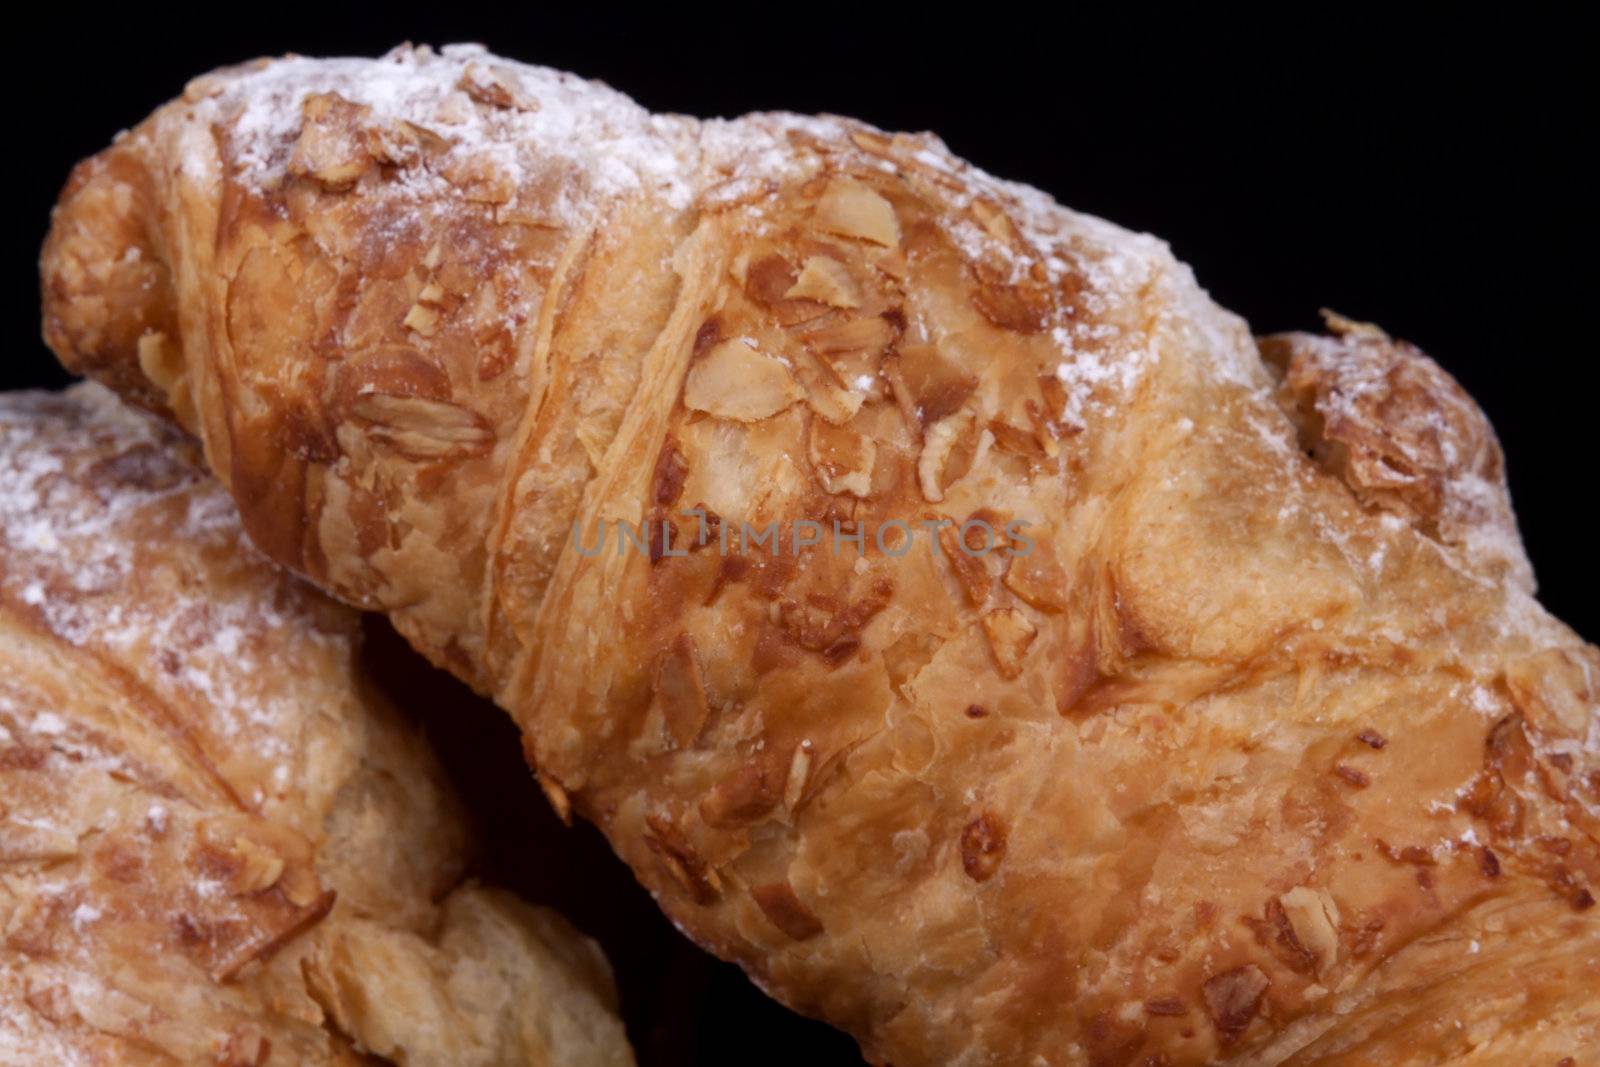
1010	633
259	867
496	88
843	458
992	217
1314	918
422	318
681	689
947	452
938	386
1037	577
420	428
969	568
737	381
826	280
828	399
331	147
799	771
851	209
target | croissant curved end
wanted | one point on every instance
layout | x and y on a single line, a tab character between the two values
110	310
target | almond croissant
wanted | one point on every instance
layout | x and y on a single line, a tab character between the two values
217	843
951	614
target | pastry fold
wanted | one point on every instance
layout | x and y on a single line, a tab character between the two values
218	842
986	646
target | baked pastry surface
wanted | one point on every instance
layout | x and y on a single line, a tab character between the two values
1261	752
218	842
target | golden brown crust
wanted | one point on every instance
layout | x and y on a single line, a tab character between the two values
1239	747
217	842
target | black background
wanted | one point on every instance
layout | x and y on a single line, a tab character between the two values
1426	176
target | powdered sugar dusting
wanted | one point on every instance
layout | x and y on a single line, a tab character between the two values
115	540
507	123
89	491
541	145
24	1030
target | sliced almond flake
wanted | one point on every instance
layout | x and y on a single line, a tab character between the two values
331	147
799	771
827	281
853	349
259	867
937	385
970	568
872	141
422	318
948	447
992	217
1313	917
1016	441
422	429
680	688
826	398
851	209
769	278
1009	633
1037	578
735	380
842	458
496	88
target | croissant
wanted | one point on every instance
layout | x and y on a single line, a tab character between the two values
218	844
950	614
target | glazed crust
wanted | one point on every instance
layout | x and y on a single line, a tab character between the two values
1261	752
218	843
